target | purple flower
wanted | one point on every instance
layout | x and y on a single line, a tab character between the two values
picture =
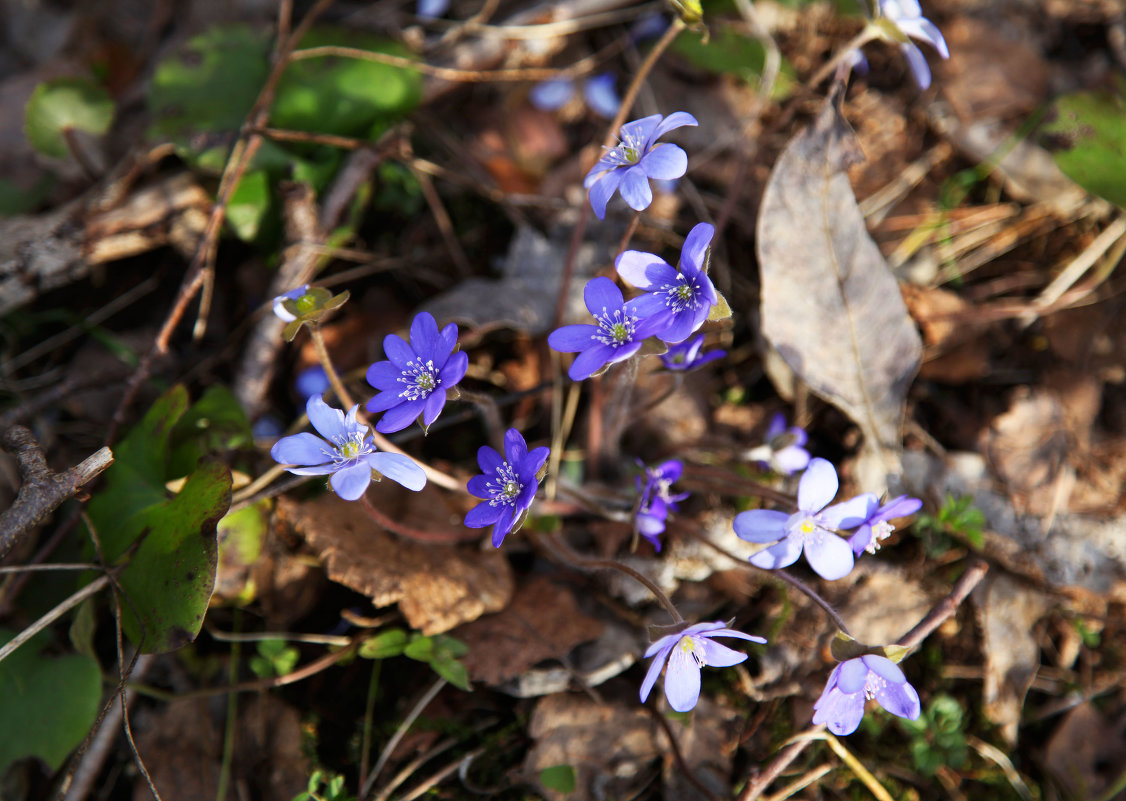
284	314
686	652
429	9
688	293
348	455
599	92
908	17
508	484
875	528
638	157
783	450
416	377
686	356
311	381
808	529
657	500
853	682
617	334
553	94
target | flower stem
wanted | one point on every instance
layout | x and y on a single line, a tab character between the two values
801	586
338	387
561	549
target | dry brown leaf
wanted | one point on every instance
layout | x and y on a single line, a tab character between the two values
998	74
437	586
608	745
1086	752
542	622
1027	447
1007	612
870	584
953	353
707	742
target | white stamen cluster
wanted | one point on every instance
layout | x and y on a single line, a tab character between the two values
682	295
421	380
626	153
881	530
615	329
505	487
352	446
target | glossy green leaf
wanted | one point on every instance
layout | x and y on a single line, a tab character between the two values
49	703
65	104
560	778
216	423
385	644
345	96
1086	134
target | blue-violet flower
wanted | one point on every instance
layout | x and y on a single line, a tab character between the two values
907	15
875	528
415	377
619	330
686	652
508	485
809	529
853	682
348	456
783	451
657	499
629	165
688	293
687	356
599	92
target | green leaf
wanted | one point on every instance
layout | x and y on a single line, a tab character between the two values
16	199
452	671
170	543
560	778
49	703
216	423
345	96
250	206
1086	134
65	104
730	52
385	644
208	87
275	658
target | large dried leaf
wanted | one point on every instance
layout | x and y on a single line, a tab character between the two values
437	586
830	305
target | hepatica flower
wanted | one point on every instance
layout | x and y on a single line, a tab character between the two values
853	682
875	527
686	652
688	294
284	314
416	377
908	17
657	499
617	334
810	529
628	166
599	92
346	454
784	450
507	483
686	355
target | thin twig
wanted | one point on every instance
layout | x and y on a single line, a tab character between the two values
60	609
679	757
415	534
945	608
408	721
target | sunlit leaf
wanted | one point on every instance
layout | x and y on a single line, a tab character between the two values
1086	134
65	104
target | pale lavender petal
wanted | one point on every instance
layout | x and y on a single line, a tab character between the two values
918	63
664	643
572	338
602	95
850	513
901	506
665	162
682	680
314	470
726	632
301	449
860	539
551	95
655	666
925	31
899	699
328	421
648	525
790	460
852	675
716	655
817	486
829	556
399	468
678	119
635	189
761	525
602	189
640	130
644	270
351	482
840	712
783	554
884	668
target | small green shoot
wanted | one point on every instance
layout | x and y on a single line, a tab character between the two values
937	738
324	786
958	517
439	651
275	658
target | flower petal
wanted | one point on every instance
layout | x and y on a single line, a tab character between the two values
447	341
479	486
384	375
680	327
829	556
424	335
761	525
456	366
635	189
925	31
399	468
640	130
399	417
572	338
790	460
899	699
590	361
782	554
850	513
884	668
313	470
696	247
682	680
515	448
841	712
503	525
301	449
716	655
665	162
901	506
601	294
328	421
398	351
852	675
818	485
644	270
661	648
918	63
535	461
652	325
383	401
553	94
602	189
678	119
481	515
351	482
489	460
434	405
601	95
